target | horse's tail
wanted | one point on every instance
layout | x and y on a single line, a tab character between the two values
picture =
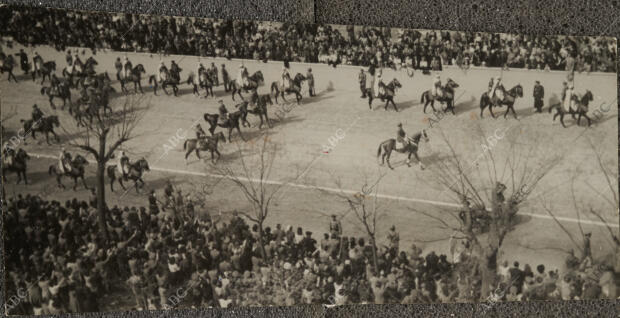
379	150
422	97
51	170
64	72
185	144
274	87
152	79
484	100
43	90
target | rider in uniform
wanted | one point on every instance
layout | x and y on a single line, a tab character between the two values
54	82
23	60
496	91
539	94
77	63
174	68
225	78
223	112
568	98
243	76
127	66
123	164
214	72
286	76
201	136
199	71
436	87
118	65
8	153
37	116
402	137
64	161
37	62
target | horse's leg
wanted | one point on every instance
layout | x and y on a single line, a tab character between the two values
562	120
512	109
140	87
491	110
588	118
388	153
198	153
112	183
240	133
75	183
394	104
218	155
84	182
120	181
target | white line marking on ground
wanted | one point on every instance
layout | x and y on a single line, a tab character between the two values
382	196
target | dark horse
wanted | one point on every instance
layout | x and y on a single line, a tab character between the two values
203	80
254	81
46	71
209	143
62	91
581	108
172	79
411	148
387	95
260	110
7	64
447	96
135	76
18	166
77	171
294	87
509	100
45	125
232	123
136	170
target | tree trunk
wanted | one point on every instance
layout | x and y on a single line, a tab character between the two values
375	260
260	240
101	205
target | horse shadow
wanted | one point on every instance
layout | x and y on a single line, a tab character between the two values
402	105
285	120
319	97
466	106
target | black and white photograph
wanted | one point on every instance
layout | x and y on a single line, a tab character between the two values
159	163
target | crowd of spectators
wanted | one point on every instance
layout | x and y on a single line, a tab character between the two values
335	45
165	256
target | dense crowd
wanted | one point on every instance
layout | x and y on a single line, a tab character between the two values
305	43
165	256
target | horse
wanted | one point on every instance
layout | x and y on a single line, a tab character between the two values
18	166
254	81
45	125
203	80
447	97
136	170
135	76
62	91
294	87
77	172
581	108
45	70
7	63
389	91
209	143
95	80
411	148
509	100
230	124
259	110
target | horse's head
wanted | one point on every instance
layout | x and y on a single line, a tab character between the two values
518	90
451	83
396	83
220	136
91	61
139	69
21	155
587	97
243	106
299	78
52	65
209	118
143	165
267	99
258	76
79	160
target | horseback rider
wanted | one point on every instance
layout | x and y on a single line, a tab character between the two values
402	137
23	60
436	87
123	164
163	72
37	116
69	58
54	83
225	78
118	65
223	112
214	72
199	71
37	62
8	153
242	77
201	136
64	161
174	68
286	76
77	63
568	98
127	67
496	91
377	81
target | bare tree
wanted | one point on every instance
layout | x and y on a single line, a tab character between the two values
479	186
252	177
102	136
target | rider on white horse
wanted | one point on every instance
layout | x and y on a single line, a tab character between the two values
123	164
37	62
286	76
377	80
568	98
64	161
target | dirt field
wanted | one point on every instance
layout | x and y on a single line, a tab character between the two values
338	110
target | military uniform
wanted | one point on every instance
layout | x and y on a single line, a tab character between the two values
539	94
362	80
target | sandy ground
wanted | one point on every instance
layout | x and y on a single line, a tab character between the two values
306	129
